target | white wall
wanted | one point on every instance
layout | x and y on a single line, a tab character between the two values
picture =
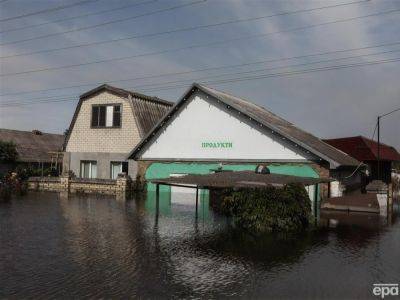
202	121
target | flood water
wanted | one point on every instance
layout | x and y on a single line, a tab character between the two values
55	246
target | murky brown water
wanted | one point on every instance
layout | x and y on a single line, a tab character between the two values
92	246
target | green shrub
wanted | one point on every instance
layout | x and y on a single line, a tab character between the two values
268	209
25	172
8	152
13	183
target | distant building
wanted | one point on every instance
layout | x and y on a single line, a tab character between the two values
35	148
107	124
209	130
366	150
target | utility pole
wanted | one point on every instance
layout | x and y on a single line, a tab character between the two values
379	149
379	139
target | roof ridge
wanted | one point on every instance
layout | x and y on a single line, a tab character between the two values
245	100
29	131
375	142
109	87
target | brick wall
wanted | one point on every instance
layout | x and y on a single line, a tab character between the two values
74	185
83	138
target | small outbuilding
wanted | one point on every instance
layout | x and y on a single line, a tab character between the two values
366	150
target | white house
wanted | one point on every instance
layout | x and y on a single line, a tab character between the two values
208	129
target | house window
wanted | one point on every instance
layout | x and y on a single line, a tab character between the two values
118	167
88	169
106	116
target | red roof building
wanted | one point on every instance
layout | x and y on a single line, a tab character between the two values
366	150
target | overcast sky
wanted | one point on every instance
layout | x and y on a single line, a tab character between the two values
331	103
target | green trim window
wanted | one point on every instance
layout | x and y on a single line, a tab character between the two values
106	116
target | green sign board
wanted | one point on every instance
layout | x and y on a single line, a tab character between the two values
216	145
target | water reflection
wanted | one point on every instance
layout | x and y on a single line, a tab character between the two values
63	246
333	219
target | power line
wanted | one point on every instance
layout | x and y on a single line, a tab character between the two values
78	17
192	46
270	68
393	111
106	23
48	10
361	163
226	74
238	79
237	73
39	100
288	73
181	30
211	68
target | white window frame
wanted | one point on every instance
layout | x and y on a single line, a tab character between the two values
114	163
109	117
91	163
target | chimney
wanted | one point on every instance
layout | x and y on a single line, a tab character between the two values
36	132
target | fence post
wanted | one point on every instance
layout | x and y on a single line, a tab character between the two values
65	181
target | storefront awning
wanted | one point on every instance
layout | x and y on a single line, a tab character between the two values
243	179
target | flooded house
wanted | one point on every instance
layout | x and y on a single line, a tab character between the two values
107	124
209	131
36	149
366	151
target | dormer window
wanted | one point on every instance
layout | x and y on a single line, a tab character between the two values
106	116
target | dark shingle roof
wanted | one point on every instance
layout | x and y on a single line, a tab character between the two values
148	113
270	120
33	147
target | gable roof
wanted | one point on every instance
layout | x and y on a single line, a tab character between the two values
364	149
148	110
33	146
264	117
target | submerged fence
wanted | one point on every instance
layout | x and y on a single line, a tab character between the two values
83	185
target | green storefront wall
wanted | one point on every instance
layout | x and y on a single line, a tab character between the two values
164	170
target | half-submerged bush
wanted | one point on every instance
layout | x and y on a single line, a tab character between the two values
268	209
12	184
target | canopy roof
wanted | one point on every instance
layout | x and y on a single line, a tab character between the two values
228	179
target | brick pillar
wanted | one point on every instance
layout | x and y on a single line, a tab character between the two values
33	184
122	182
379	188
323	172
